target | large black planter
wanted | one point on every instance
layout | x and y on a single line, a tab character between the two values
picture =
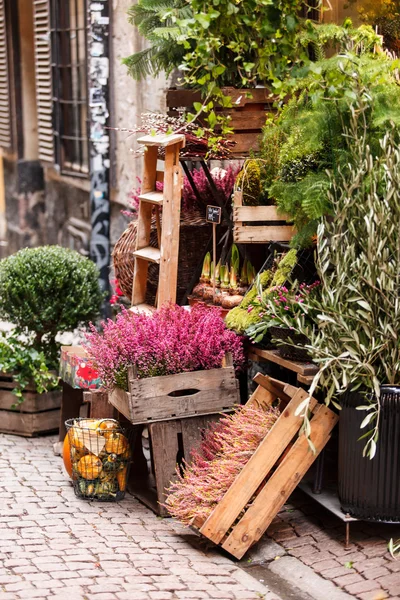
370	489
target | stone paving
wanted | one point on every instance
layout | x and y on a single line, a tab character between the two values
56	546
314	536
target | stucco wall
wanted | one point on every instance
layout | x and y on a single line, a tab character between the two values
130	99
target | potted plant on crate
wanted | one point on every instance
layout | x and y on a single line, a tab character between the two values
43	292
356	343
223	73
167	365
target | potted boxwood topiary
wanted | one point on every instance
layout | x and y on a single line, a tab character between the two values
43	292
357	343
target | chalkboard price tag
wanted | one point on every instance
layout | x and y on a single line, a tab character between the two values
213	214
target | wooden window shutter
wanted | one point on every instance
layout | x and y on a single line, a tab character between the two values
5	97
44	88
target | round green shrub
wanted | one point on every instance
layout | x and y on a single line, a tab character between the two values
48	290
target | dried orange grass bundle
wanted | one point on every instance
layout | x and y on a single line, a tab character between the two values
226	448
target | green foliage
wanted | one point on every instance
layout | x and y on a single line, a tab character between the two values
249	181
156	21
26	365
310	125
47	290
357	342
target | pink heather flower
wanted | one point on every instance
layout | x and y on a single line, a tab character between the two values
172	340
249	309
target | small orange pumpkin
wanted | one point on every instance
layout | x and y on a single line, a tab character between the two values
90	466
66	454
108	425
121	478
116	443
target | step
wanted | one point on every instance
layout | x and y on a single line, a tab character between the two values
146	309
162	139
153	197
149	253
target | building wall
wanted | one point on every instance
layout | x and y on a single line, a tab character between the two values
130	99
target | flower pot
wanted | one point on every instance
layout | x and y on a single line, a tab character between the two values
38	414
370	489
287	350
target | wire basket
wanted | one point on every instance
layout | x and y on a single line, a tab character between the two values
100	458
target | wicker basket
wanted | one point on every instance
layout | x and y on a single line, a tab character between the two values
195	234
287	350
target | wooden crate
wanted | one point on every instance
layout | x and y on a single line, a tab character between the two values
168	443
247	219
272	473
248	114
177	396
39	413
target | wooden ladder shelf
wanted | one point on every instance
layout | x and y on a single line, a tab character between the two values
166	255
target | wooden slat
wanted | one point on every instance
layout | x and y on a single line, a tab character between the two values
32	402
44	92
281	484
149	253
303	368
153	197
257	213
29	424
255	471
168	275
165	446
262	234
162	140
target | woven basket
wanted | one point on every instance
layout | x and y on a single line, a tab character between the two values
195	234
287	350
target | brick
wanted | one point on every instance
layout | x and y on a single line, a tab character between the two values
376	573
360	586
348	579
391	583
336	572
323	565
377	594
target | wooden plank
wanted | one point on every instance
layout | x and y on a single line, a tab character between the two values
71	403
163	140
262	234
240	97
261	397
165	446
303	368
152	197
148	253
192	432
255	471
100	407
29	424
162	386
305	379
244	142
257	213
281	484
248	120
33	402
168	276
120	400
288	389
150	399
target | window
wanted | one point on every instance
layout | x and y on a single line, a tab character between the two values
69	80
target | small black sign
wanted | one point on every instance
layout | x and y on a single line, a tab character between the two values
213	214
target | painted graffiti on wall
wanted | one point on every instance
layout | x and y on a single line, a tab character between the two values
99	72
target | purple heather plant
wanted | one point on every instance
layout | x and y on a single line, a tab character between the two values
172	340
224	180
227	447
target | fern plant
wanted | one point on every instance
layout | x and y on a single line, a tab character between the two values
310	125
156	20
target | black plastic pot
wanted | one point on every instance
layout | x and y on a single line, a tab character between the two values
370	489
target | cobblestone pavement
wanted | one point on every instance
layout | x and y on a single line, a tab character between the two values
55	546
366	570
